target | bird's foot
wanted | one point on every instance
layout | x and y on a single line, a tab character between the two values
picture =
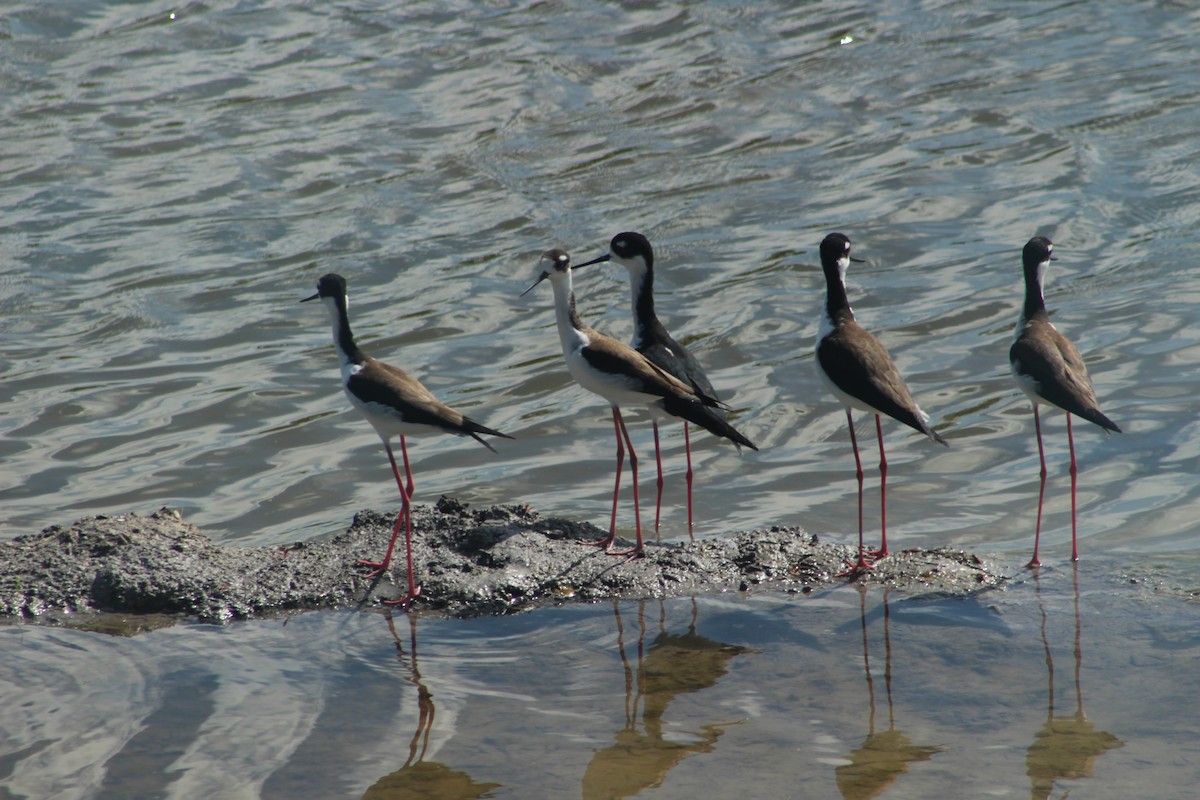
632	553
1034	563
861	566
405	601
606	542
377	568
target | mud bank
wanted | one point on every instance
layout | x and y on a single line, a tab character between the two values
494	560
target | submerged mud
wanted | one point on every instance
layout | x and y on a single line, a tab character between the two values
493	560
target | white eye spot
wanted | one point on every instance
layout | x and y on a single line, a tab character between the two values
846	40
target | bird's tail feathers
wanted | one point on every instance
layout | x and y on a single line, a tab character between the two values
1098	417
921	423
707	417
473	429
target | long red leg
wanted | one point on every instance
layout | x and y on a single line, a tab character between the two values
658	459
633	468
1074	474
1037	533
407	468
405	518
883	466
861	564
687	446
612	523
381	566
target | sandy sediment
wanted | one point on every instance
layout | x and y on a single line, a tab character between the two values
470	561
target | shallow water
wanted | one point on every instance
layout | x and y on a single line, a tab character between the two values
172	187
844	693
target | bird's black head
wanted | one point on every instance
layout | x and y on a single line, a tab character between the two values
629	245
1038	250
629	249
329	285
835	256
834	248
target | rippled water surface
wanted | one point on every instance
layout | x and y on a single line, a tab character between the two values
176	178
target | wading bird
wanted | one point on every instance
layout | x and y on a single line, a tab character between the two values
860	373
650	338
622	376
1049	369
396	404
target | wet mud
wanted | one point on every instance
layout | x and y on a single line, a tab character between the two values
129	573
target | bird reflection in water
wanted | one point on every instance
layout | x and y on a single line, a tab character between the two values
419	779
882	757
674	664
1065	748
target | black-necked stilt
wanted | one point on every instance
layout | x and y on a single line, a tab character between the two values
621	375
860	373
1049	369
396	404
650	338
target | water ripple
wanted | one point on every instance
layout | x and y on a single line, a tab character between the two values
180	184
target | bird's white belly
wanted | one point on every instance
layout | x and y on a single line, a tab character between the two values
388	422
615	389
1027	385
